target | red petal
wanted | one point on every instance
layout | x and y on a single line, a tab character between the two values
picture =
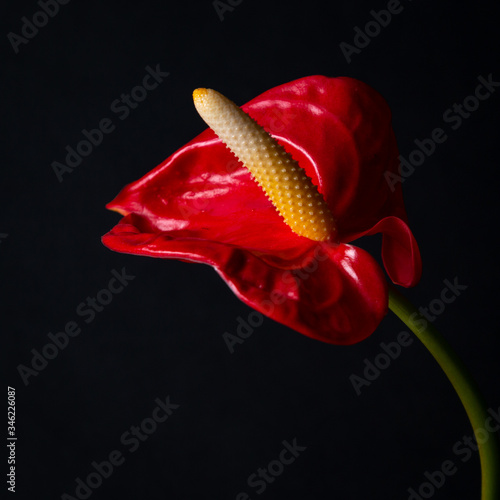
339	296
338	293
400	251
339	130
202	205
203	191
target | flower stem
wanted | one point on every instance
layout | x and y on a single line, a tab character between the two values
464	385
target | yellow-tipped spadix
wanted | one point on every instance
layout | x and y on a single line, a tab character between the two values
285	183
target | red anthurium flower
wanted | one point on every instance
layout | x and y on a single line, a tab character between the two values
202	205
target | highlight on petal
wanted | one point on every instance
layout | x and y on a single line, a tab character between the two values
400	252
339	130
202	191
283	180
202	205
338	296
333	293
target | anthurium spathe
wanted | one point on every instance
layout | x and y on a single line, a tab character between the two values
203	205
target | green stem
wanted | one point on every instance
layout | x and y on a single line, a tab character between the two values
463	383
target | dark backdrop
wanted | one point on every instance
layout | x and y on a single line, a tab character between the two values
162	335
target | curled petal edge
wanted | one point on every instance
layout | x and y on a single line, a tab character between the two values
338	296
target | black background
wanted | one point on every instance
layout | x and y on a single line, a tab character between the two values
163	334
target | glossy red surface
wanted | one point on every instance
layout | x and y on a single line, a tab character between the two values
202	205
